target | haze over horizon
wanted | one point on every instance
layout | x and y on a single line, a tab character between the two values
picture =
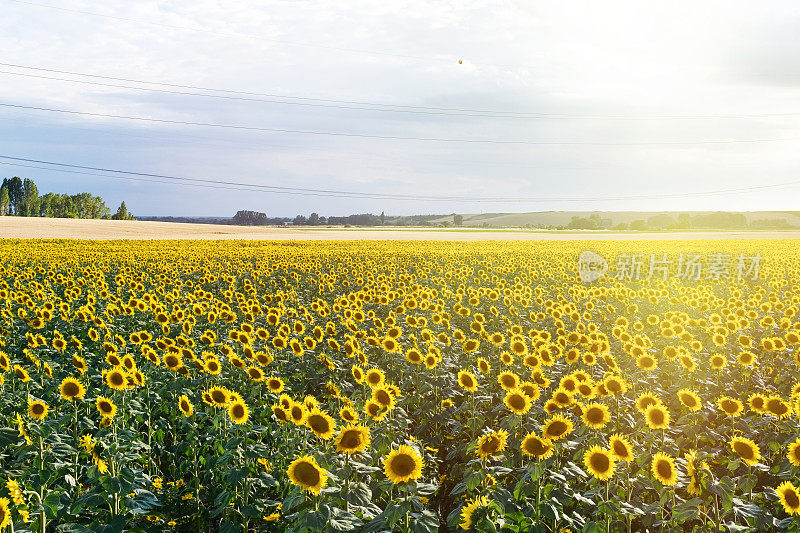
648	103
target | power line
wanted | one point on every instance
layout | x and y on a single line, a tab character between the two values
370	105
182	180
397	137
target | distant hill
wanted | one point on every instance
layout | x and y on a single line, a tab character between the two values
612	219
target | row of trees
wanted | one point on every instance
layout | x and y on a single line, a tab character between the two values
21	198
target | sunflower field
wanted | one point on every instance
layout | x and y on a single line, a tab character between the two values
395	386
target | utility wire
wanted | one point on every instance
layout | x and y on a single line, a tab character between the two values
398	137
141	176
368	105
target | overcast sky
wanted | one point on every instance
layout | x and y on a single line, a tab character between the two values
601	72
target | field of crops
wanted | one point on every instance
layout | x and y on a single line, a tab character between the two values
363	386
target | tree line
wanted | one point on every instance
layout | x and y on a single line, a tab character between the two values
20	197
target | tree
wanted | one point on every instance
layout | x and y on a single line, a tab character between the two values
29	203
122	213
458	220
299	220
249	218
313	219
383	218
4	201
14	187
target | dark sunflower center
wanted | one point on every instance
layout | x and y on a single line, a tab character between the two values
620	449
792	499
534	446
664	469
319	424
657	417
383	397
105	407
517	402
37	409
777	407
218	396
403	465
509	381
71	389
729	406
557	428
307	474
238	410
744	450
466	381
351	439
594	415
600	462
117	378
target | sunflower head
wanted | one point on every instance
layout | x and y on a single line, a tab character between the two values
657	416
620	448
37	409
71	389
320	423
730	406
185	405
596	415
517	401
663	468
789	497
600	462
557	427
747	450
352	439
306	473
403	464
690	399
538	447
467	381
238	411
492	443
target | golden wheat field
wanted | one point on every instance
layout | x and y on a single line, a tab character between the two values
398	386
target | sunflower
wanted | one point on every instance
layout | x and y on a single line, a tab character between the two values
793	453
517	401
467	381
615	384
600	462
468	511
37	409
746	359
508	380
403	464
352	439
255	373
275	384
320	423
298	413
185	405
5	513
306	473
747	449
777	407
596	415
106	407
557	427
375	377
730	406
116	379
645	400
347	414
491	443
563	397
220	396
71	388
648	363
663	468
358	373
384	397
531	390
280	413
238	411
535	446
790	499
657	416
690	399
21	374
718	361
620	447
374	411
483	365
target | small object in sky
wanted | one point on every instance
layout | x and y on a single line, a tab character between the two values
459	61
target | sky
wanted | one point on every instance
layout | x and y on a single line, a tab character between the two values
467	106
